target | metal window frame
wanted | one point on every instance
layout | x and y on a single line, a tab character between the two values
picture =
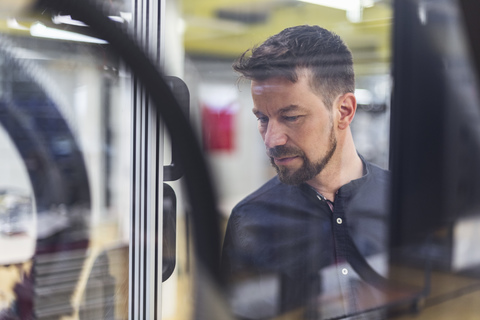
145	272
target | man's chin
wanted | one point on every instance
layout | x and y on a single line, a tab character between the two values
291	178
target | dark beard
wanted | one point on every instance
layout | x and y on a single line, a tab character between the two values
308	170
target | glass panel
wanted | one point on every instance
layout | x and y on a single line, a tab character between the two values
308	252
306	239
65	114
435	199
296	251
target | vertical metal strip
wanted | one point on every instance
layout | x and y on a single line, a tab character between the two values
142	35
143	205
151	221
156	27
161	61
132	226
132	246
136	263
161	32
146	247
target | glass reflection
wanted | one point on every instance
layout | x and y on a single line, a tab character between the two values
60	113
64	177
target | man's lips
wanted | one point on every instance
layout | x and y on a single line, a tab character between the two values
284	160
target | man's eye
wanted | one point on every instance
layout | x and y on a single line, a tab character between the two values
291	118
262	119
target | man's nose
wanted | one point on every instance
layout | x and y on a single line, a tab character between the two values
274	136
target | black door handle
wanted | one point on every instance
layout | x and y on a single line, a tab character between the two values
174	170
169	232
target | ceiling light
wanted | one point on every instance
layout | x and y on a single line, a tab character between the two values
60	19
353	8
40	30
337	4
67	20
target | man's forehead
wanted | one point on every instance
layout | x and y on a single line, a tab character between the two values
262	88
269	85
277	83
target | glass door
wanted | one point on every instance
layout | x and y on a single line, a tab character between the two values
65	177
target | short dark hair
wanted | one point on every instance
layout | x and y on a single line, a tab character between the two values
311	47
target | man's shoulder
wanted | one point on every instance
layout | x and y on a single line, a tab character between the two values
272	187
378	174
372	195
274	194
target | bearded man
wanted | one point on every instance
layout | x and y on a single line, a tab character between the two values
302	240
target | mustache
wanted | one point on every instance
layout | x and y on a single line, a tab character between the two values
284	151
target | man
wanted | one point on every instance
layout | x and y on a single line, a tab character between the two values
300	241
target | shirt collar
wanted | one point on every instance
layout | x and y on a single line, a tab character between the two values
347	189
352	186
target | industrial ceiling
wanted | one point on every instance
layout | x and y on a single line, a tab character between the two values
226	28
223	29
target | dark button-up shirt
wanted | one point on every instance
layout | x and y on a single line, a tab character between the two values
286	249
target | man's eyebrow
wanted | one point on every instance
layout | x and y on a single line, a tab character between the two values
283	110
289	108
256	112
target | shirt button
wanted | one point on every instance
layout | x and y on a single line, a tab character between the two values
345	271
339	220
319	198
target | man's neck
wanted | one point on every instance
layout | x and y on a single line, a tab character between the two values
343	167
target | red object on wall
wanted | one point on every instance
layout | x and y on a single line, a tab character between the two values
218	128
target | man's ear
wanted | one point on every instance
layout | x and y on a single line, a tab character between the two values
346	108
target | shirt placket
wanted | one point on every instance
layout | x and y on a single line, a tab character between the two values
344	270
